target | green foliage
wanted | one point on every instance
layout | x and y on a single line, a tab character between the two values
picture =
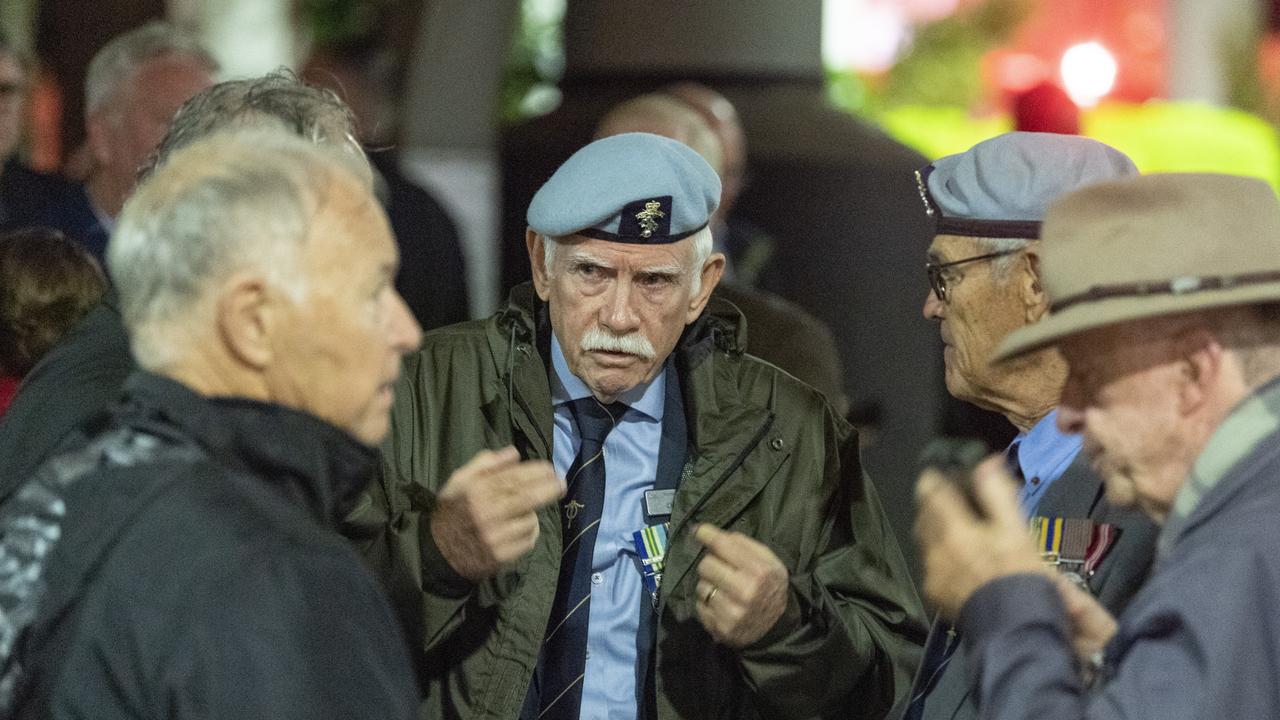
335	22
943	65
535	62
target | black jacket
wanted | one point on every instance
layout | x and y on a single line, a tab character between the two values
74	383
228	595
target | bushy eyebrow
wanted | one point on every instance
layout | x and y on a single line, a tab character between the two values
670	271
579	259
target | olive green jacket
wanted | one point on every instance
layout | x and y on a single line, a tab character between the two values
767	457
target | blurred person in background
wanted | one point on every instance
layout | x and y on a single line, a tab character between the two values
746	245
24	193
84	374
134	85
47	283
433	277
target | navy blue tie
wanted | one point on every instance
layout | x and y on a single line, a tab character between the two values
564	648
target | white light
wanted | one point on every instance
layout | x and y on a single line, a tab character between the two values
865	35
1088	72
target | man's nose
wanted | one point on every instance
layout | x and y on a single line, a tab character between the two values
619	314
933	306
406	333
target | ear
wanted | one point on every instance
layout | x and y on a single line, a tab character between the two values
538	262
98	137
711	272
1200	365
1035	301
246	309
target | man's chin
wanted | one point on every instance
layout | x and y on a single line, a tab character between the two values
610	385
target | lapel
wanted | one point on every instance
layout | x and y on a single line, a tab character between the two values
1077	493
724	431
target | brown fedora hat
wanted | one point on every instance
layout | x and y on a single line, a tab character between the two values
1153	245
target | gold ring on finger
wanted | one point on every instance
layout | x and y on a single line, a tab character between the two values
710	594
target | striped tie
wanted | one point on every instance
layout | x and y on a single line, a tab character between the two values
564	648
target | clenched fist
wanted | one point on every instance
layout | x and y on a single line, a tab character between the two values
742	587
485	516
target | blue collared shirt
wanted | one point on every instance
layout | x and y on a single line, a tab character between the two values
630	468
1044	454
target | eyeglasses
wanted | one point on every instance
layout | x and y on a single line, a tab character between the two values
938	283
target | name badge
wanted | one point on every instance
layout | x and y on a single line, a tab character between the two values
657	503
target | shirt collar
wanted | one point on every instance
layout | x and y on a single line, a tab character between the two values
646	398
1045	451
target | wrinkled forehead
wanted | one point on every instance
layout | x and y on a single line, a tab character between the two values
674	255
946	248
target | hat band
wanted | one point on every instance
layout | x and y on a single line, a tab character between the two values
598	234
1185	285
971	227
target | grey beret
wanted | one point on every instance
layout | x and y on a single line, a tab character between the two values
1002	187
632	188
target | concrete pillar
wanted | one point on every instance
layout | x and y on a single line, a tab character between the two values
450	126
1202	38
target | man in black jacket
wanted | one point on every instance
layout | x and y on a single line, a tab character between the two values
191	567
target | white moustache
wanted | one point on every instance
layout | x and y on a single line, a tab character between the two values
634	343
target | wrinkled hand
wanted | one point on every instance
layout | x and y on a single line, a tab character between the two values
742	587
962	551
1091	625
485	516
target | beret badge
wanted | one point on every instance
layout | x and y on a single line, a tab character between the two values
648	218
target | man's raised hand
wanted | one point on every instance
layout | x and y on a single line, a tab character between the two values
486	514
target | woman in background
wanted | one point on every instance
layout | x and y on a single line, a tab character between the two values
47	283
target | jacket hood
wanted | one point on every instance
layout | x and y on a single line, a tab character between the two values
312	463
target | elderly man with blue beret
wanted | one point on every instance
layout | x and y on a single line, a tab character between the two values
1165	295
714	550
984	276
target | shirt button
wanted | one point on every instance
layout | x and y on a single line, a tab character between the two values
596	578
1035	482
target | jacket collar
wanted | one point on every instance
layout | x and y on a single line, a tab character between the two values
1220	472
312	463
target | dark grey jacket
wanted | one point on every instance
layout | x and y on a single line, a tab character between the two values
1078	493
1200	640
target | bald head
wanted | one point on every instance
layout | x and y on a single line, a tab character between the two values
666	116
722	118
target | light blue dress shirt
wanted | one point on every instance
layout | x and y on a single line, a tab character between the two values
1044	453
617	592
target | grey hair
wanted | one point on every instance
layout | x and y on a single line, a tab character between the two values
1001	266
115	64
1252	332
277	99
701	251
238	199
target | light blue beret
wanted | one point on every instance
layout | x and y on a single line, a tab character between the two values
1002	187
632	188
